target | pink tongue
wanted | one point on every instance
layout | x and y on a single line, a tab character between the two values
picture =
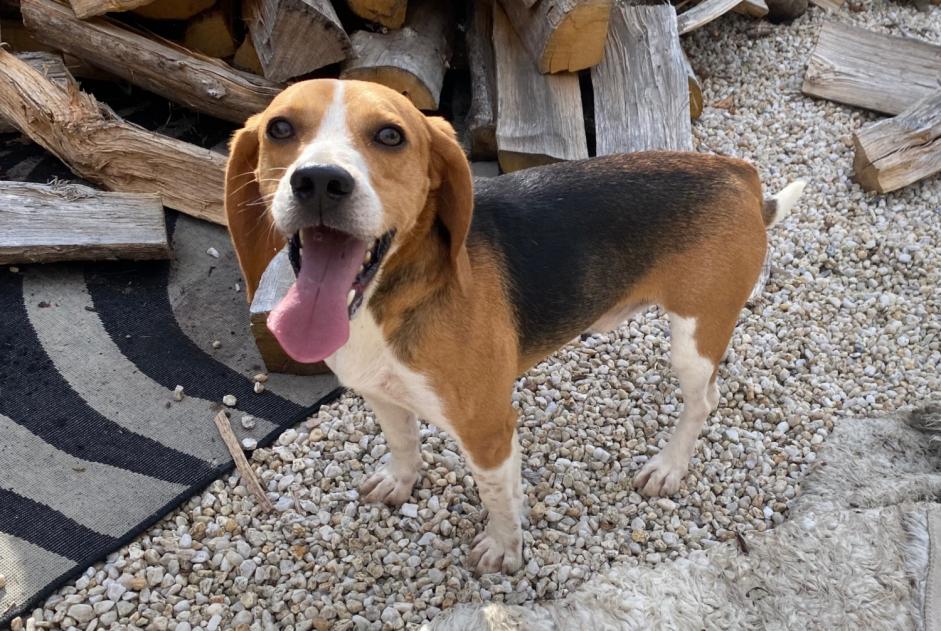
312	321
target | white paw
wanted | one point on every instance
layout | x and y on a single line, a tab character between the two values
662	474
489	554
386	487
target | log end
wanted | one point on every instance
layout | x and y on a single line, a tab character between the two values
578	41
400	80
867	174
388	13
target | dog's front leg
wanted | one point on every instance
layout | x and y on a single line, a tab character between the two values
392	483
494	459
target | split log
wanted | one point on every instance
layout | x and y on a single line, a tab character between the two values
102	148
898	151
274	285
389	13
210	34
160	66
539	117
641	87
90	8
703	13
695	90
51	66
411	60
481	123
246	57
829	5
879	72
561	35
754	8
43	223
294	37
173	9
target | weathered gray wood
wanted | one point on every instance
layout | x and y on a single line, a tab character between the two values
43	223
703	13
389	13
274	285
898	151
197	81
880	72
481	121
294	37
99	146
641	87
411	60
539	117
561	35
89	8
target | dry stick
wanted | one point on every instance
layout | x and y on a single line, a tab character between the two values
160	66
89	8
103	148
249	478
703	13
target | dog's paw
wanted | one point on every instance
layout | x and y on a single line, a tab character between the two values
661	475
488	554
385	487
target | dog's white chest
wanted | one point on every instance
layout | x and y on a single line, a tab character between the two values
367	364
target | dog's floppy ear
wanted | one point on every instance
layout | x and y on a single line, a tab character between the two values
252	230
453	190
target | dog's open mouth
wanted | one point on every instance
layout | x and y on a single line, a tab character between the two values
333	271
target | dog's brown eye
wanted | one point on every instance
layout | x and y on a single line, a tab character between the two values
280	129
390	136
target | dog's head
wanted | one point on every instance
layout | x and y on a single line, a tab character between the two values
344	171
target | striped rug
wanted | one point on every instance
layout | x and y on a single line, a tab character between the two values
93	446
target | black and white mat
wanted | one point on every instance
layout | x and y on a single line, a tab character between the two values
93	446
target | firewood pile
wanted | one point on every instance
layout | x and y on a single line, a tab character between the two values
536	80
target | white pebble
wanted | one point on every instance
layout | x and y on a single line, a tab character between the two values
229	400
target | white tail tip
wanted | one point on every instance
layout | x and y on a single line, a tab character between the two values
785	200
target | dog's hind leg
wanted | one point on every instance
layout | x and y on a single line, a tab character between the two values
392	483
697	345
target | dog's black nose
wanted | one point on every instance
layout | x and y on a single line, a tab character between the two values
321	183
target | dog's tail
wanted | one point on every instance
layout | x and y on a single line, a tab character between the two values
779	205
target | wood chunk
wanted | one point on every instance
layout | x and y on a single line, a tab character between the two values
294	37
561	35
880	72
173	9
703	13
898	151
51	66
249	479
246	58
210	33
43	223
754	8
539	117
695	90
160	66
829	5
411	60
99	146
274	284
89	8
389	13
641	87
481	123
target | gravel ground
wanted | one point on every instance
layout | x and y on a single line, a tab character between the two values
848	325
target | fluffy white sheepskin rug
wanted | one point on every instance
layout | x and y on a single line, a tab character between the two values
861	550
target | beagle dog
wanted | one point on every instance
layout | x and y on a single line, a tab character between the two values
429	294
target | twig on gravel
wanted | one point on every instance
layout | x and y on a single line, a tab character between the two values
241	462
